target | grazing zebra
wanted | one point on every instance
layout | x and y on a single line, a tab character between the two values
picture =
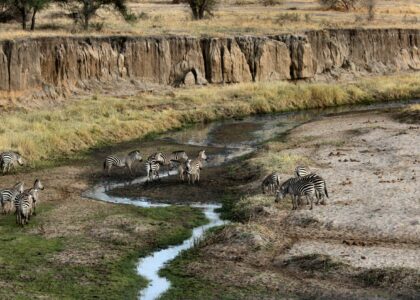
152	169
24	209
271	182
169	159
301	171
184	169
8	161
8	196
195	166
320	186
122	162
297	188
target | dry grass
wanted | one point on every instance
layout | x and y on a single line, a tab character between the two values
62	131
231	18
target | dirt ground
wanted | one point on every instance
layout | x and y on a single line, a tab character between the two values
363	244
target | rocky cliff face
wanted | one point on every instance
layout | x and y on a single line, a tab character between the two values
60	64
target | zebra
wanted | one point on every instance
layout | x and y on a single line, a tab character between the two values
152	169
320	186
195	166
169	159
8	196
33	192
8	161
184	169
24	209
301	171
271	182
296	188
122	162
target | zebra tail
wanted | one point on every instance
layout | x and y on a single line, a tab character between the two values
325	190
104	164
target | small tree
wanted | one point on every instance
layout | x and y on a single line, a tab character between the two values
36	6
21	10
199	7
84	10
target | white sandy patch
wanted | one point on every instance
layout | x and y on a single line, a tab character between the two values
361	257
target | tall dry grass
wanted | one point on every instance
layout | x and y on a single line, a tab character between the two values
42	134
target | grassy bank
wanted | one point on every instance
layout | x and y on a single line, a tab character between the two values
94	258
61	132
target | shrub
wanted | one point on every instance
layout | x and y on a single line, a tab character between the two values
339	4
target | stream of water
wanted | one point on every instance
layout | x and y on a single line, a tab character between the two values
234	138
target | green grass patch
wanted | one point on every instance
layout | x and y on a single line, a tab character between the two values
31	265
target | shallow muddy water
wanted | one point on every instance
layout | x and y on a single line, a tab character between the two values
231	139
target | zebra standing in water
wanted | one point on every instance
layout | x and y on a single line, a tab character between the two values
152	169
122	162
195	166
297	188
8	196
8	161
184	169
169	159
34	193
271	182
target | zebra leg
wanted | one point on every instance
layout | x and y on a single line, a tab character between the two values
312	200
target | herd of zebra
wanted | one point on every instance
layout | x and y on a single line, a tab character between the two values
16	199
21	202
304	184
189	168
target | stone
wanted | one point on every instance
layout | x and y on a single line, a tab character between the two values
189	79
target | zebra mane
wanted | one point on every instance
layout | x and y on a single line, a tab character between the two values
133	152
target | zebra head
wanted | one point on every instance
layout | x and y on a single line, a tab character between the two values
19	159
38	185
159	158
280	194
135	155
202	155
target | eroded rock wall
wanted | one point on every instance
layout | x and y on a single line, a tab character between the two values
62	63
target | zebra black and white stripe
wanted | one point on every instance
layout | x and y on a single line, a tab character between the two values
122	162
301	171
9	160
297	188
320	186
194	167
24	209
270	183
34	193
8	196
152	169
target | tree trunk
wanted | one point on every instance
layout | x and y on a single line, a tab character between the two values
86	22
201	12
33	19
23	13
